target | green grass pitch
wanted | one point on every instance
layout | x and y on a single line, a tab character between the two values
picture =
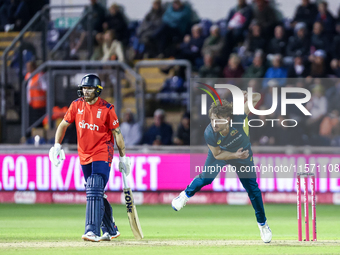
196	229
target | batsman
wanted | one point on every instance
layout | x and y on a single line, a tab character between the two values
97	127
228	143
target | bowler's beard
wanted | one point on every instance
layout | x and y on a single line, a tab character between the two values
216	130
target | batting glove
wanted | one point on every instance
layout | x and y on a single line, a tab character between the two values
124	165
56	151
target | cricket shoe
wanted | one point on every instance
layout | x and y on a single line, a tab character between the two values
180	201
90	236
266	233
107	237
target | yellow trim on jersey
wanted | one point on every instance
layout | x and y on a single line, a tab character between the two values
246	126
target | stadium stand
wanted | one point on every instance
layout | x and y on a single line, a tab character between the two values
308	46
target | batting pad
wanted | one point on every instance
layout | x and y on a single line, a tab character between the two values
108	224
94	203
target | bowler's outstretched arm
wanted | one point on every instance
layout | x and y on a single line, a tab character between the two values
256	98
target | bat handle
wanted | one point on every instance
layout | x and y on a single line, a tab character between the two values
126	186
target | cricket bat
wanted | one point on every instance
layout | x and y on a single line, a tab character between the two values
132	211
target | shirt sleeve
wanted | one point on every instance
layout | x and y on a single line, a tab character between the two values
112	119
70	114
209	137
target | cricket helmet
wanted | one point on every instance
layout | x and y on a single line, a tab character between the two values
90	80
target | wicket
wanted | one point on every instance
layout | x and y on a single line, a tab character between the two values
306	209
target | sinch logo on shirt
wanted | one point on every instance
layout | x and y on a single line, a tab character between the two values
88	126
115	122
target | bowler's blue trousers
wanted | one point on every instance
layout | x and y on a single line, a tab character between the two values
248	181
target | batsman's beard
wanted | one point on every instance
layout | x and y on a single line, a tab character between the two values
89	98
